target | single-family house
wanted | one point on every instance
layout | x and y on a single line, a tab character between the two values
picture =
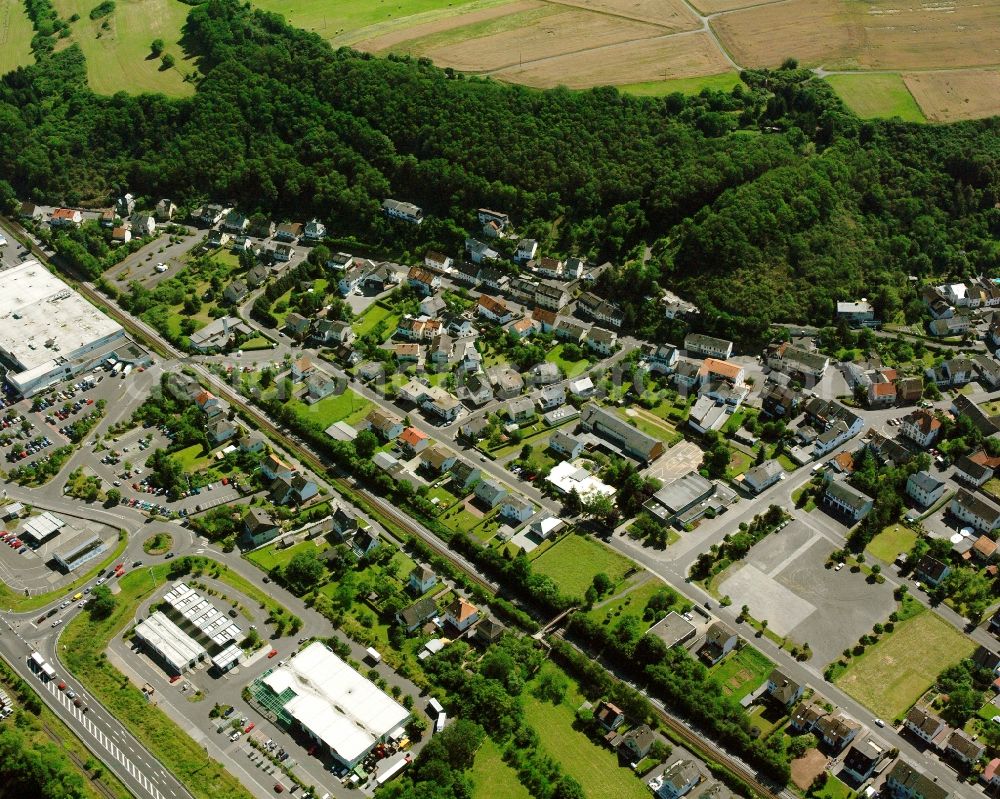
527	249
143	225
863	758
783	689
516	509
856	313
386	425
274	467
975	510
407	212
494	309
235	292
931	570
423	281
924	488
437	261
566	444
461	614
465	475
411	618
315	231
66	217
296	489
582	387
259	527
963	748
720	640
923	724
546	319
480	251
507	383
763	476
678	780
302	368
121	235
550	397
636	743
490	493
836	731
609	716
235	222
602	341
421	580
440	403
518	409
921	427
437	459
413	441
165	210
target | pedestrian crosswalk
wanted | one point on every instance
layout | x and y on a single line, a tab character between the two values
105	742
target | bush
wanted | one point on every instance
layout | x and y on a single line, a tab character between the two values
102	9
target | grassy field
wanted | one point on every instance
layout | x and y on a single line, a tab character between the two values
190	458
347	407
593	766
660	88
662	430
629	603
742	672
271	556
892	541
494	779
118	57
84	641
888	679
15	36
368	321
883	95
574	561
571	368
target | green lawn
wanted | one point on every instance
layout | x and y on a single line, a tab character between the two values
574	560
571	368
272	556
629	603
494	779
892	541
256	343
834	789
118	56
367	322
883	95
15	36
742	672
190	458
593	766
660	88
664	431
347	407
893	674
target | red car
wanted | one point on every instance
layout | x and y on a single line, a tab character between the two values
278	787
249	727
272	653
62	686
175	678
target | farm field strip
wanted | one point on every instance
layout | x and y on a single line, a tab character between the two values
15	36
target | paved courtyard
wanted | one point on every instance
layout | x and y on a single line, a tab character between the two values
785	580
675	462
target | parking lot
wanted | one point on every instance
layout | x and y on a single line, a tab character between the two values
785	580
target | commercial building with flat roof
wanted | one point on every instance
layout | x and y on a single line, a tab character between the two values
48	332
333	703
79	552
169	642
39	529
202	615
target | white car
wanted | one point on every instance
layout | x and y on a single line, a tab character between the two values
879	723
235	736
838	567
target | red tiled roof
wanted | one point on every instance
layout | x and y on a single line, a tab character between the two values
412	436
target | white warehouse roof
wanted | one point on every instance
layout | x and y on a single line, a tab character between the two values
335	703
170	642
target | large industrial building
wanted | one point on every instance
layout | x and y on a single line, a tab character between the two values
332	703
48	332
169	642
204	618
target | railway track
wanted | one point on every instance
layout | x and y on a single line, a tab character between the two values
95	781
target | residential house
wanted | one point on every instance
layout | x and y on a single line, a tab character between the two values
856	313
479	251
461	614
763	476
252	441
143	225
208	215
602	341
516	509
492	277
610	314
923	724
989	371
550	296
963	748
805	717
30	211
315	231
319	387
261	227
442	404
546	319
952	372
909	389
282	252
490	493
991	774
259	527
417	329
208	403
548	267
476	389
507	383
518	409
108	218
457	325
904	782
778	401
931	570
522	328
963	406
302	368
707	346
296	489
256	276
288	232
411	618
422	280
489	631
620	434
720	640
499	218
522	289
437	459
217	239
473	429
165	210
421	580
921	427
609	716
386	425
494	309
957	325
407	212
882	395
783	689
678	780
66	217
661	358
222	430
527	249
343	521
836	731
274	467
441	349
863	758
414	441
235	222
803	364
565	444
349	280
432	305
975	510
235	291
972	470
365	541
121	235
544	373
924	488
545	526
437	261
334	332
846	500
582	387
567	330
550	397
297	324
465	475
984	549
636	743
687	375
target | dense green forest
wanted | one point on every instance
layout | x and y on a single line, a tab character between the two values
770	202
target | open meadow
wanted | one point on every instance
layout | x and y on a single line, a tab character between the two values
882	95
15	36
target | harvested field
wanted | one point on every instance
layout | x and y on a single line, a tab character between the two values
394	39
670	14
708	7
15	36
528	36
806	768
681	56
813	31
950	96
